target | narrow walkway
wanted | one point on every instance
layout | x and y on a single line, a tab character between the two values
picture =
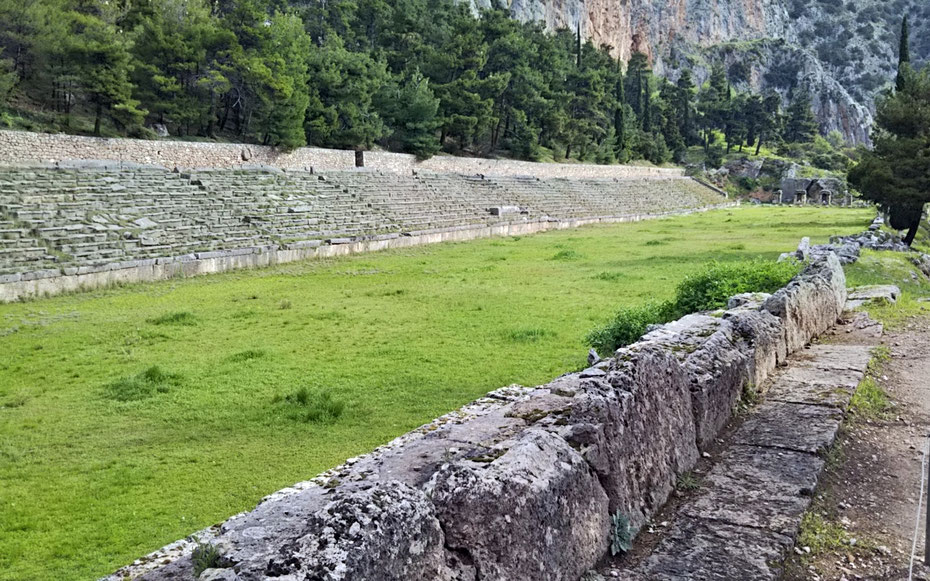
742	521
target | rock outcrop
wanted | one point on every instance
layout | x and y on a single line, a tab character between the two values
842	52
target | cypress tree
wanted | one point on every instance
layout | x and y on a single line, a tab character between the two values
619	130
904	56
578	44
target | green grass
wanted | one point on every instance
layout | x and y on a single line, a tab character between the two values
89	482
888	267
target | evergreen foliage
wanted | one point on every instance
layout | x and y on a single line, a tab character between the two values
896	173
412	75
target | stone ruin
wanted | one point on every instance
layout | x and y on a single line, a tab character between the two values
815	191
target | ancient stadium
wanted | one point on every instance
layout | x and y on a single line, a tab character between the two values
433	290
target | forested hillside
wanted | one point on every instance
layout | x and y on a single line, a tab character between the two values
409	75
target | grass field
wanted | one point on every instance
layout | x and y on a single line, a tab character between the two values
134	416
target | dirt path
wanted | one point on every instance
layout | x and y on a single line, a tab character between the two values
865	508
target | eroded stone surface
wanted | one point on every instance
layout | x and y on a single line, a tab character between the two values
537	512
759	487
700	550
863	295
717	363
811	303
776	424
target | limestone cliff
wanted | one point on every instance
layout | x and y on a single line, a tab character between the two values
844	52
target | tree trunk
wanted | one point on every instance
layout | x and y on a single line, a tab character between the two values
98	112
912	231
759	144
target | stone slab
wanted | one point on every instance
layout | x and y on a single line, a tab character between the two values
758	487
804	392
775	424
864	295
700	550
834	357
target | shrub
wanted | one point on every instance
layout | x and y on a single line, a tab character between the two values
141	386
712	287
628	326
707	290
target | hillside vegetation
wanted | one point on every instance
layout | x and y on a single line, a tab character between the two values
415	75
135	416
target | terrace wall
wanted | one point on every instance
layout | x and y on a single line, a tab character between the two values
526	483
17	147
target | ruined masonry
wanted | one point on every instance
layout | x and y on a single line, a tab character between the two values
81	225
532	483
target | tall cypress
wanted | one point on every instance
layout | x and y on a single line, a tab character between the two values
904	56
578	44
619	121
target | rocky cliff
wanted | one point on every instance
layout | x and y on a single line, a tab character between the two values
845	52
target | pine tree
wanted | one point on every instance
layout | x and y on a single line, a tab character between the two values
342	86
896	173
98	55
801	126
684	107
7	78
411	111
620	135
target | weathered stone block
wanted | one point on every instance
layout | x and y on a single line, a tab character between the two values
774	423
717	364
811	303
536	512
759	487
699	550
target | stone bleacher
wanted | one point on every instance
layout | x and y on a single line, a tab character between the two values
76	220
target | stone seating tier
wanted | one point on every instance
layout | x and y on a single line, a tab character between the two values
55	218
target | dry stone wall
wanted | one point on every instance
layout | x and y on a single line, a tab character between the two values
17	147
70	226
527	483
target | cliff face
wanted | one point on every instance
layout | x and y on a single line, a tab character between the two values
845	53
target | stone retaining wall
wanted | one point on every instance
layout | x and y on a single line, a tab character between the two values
25	147
527	483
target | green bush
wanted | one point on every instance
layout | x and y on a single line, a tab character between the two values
712	287
628	326
707	290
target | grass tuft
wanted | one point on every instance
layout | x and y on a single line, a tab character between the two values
247	355
821	535
567	255
179	318
528	335
205	556
870	401
311	406
688	481
142	385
